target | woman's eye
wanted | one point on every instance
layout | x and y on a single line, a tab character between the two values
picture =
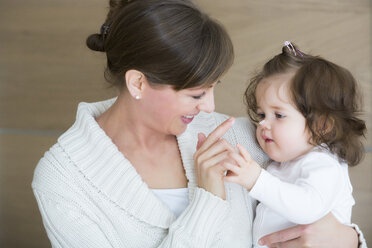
279	116
199	96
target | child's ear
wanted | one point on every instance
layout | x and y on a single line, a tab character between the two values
325	125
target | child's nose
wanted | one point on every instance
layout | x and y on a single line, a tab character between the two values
264	124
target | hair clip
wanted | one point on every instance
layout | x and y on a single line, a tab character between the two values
105	29
299	52
289	45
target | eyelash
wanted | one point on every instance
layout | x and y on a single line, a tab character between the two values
199	97
261	116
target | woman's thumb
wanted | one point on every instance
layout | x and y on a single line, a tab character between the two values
201	140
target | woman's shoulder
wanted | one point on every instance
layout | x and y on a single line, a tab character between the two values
244	132
57	183
52	171
214	119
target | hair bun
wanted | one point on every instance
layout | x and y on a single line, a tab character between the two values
95	42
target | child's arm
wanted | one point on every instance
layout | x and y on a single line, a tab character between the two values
305	201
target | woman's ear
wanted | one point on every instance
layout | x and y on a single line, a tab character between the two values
135	81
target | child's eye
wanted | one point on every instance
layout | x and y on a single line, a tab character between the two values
261	116
279	116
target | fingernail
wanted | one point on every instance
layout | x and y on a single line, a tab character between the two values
232	120
260	242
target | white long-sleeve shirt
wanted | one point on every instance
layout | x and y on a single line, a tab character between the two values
302	191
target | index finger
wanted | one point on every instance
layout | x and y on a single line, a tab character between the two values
282	236
217	134
243	151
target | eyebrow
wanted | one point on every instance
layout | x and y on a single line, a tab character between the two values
273	107
276	107
204	88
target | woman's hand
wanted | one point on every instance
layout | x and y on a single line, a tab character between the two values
326	232
211	152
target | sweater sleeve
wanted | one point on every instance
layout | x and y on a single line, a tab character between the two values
68	226
198	225
310	197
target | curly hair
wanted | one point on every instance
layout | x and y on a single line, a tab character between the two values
327	96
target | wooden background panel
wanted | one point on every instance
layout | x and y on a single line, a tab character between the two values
45	70
45	67
20	220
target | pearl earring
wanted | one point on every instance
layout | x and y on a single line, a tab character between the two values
137	97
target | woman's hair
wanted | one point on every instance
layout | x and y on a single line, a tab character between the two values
327	96
170	41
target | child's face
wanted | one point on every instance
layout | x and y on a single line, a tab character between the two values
283	135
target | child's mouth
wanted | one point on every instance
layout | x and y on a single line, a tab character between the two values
267	139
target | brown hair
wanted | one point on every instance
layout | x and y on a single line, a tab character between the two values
170	41
327	96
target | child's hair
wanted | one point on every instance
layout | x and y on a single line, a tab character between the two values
327	96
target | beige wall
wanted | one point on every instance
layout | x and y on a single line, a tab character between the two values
45	70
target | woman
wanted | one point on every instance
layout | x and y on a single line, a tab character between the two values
123	175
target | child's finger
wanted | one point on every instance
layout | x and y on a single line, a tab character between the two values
238	158
231	167
244	152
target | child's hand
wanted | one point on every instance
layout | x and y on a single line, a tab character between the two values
245	172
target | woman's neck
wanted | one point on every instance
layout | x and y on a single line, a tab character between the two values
127	128
153	154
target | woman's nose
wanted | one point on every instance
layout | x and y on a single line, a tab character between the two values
207	103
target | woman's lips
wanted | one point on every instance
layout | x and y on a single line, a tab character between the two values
187	118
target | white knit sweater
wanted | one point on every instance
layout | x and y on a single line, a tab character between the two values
90	195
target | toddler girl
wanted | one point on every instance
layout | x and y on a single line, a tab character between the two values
306	111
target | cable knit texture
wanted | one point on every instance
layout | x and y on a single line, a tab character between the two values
90	195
